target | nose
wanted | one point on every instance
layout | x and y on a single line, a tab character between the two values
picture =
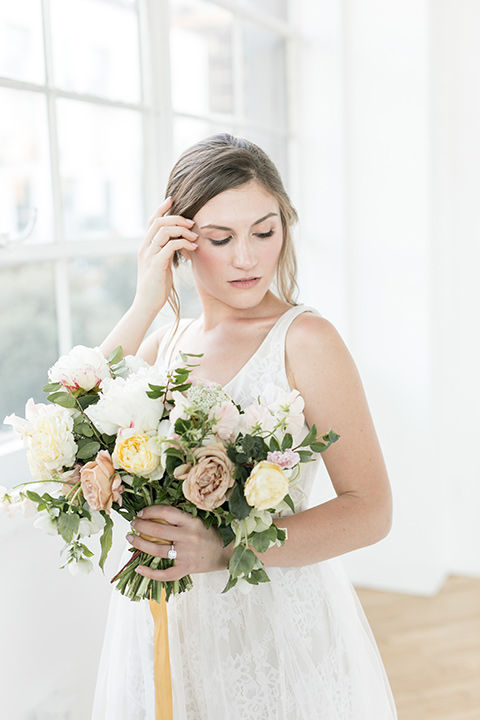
244	257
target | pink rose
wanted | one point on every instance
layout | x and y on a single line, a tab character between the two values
206	482
101	484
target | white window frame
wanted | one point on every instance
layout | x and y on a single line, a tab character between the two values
158	119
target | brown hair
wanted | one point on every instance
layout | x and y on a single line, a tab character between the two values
222	162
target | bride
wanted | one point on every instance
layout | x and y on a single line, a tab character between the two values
299	647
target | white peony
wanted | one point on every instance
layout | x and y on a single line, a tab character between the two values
124	403
285	405
48	432
82	369
257	418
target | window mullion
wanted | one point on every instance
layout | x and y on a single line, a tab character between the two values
62	295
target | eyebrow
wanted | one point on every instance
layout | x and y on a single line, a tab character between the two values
222	227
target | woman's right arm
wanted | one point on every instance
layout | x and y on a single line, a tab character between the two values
165	235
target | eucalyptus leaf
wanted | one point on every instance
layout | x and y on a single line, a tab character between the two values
115	356
63	399
88	450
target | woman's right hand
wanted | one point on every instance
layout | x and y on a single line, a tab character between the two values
165	235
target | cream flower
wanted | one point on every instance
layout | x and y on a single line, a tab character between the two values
226	419
267	486
138	454
48	431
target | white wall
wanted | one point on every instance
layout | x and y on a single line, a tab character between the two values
391	188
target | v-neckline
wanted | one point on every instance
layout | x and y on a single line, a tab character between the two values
250	359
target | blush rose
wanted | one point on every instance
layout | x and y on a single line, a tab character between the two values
101	485
207	480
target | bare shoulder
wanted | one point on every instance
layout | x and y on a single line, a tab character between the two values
312	339
320	366
148	350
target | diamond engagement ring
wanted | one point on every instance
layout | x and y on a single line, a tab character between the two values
172	553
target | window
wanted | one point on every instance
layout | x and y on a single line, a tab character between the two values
92	120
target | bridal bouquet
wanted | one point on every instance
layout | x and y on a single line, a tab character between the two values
119	435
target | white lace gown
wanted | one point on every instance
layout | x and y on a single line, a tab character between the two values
297	648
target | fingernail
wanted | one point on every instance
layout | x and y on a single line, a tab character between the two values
192	222
194	244
140	513
194	233
139	571
129	537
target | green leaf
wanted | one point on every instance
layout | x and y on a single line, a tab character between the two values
289	502
305	455
67	525
310	437
52	387
227	534
232	581
83	428
115	356
287	442
261	541
237	504
274	444
88	450
259	575
106	540
35	497
181	388
63	399
85	400
242	561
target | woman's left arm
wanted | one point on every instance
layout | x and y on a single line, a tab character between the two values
320	367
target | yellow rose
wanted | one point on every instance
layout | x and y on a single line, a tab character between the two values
267	486
136	453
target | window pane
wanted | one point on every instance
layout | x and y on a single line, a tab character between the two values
21	40
275	147
29	336
101	290
201	58
101	168
265	77
187	131
24	166
279	8
95	48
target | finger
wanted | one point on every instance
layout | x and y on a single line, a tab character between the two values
165	233
172	515
146	546
161	210
168	532
172	573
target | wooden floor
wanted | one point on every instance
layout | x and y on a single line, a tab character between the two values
431	649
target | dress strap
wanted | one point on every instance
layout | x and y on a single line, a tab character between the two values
168	342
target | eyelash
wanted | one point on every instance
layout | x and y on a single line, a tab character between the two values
226	240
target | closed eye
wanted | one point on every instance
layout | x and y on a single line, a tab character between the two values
265	235
221	242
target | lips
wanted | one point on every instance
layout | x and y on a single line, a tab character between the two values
245	282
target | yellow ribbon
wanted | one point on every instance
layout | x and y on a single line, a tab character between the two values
161	660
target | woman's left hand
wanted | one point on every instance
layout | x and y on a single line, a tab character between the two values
198	549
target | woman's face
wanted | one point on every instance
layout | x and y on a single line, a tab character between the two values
239	243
